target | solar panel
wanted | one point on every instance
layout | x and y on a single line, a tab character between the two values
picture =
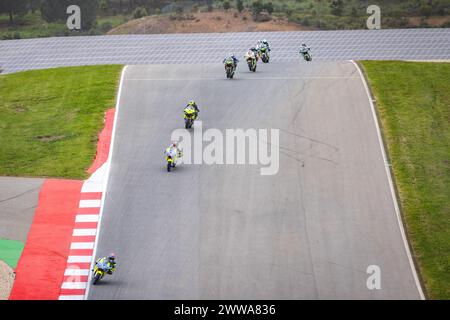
387	44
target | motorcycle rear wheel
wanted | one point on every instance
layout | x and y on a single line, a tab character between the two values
96	279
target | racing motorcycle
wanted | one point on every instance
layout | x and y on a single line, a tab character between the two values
99	272
172	155
229	68
251	60
264	54
189	116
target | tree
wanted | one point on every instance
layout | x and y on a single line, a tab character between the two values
269	7
14	7
226	5
257	7
139	12
34	5
240	5
337	6
56	10
104	6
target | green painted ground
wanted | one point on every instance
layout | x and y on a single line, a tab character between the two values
50	119
413	102
10	251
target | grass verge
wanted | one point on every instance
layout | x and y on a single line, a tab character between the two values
50	119
413	103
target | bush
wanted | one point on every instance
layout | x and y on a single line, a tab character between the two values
305	21
226	5
426	11
140	12
104	6
262	17
179	9
105	27
269	7
257	7
239	5
337	6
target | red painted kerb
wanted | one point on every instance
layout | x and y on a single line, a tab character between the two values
104	141
40	270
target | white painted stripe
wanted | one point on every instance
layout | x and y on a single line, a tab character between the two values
90	203
84	232
391	185
71	297
87	218
82	245
76	272
74	285
72	259
92	186
107	167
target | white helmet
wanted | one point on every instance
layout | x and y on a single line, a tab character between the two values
264	41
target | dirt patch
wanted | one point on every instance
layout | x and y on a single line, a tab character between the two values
50	138
20	109
6	280
205	22
434	21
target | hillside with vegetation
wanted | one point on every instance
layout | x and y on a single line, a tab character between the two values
45	18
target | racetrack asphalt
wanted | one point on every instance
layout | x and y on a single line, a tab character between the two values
18	200
227	232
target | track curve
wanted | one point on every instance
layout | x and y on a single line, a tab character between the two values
225	231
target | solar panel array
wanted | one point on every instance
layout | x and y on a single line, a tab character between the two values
387	44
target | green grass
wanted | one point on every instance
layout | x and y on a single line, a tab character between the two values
413	101
50	119
10	251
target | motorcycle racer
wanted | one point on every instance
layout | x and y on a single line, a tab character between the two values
263	43
193	106
256	52
107	263
231	56
174	151
304	49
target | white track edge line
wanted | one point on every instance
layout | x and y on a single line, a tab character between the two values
391	184
105	181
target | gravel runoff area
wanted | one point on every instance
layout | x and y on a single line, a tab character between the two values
6	280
